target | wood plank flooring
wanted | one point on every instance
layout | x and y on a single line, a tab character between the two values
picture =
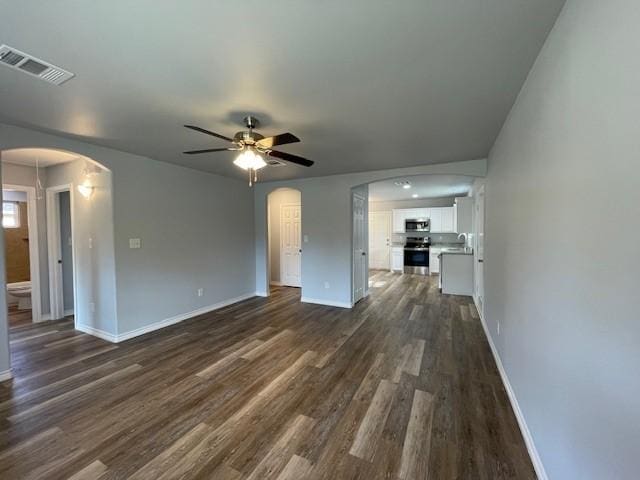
403	386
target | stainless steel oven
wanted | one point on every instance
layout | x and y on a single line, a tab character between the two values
416	256
417	225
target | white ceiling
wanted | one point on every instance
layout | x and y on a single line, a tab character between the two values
44	157
425	186
366	84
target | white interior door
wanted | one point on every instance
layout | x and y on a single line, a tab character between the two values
290	245
359	248
479	250
380	240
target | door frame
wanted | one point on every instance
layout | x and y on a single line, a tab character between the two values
34	248
54	249
365	245
476	251
281	246
388	214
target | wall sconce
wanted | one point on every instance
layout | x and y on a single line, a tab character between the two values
85	189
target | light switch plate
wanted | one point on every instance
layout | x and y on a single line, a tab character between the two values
134	243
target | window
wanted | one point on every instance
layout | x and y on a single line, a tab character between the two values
10	215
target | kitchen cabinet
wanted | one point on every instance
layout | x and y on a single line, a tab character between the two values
397	259
401	214
398	221
463	214
434	261
447	220
456	274
436	220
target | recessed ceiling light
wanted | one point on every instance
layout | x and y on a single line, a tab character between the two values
415	195
403	183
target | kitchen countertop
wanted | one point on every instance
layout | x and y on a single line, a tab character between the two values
457	251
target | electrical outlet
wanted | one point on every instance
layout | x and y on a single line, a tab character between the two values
200	292
135	243
305	238
326	285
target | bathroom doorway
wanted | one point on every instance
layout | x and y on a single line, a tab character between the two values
61	251
22	269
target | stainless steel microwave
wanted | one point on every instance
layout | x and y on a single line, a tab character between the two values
417	225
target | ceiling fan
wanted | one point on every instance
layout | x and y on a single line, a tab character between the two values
251	146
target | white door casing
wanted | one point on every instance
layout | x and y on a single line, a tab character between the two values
479	250
359	248
290	245
380	240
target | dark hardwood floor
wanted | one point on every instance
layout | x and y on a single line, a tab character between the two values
18	318
403	386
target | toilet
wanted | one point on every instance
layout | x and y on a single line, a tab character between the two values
21	291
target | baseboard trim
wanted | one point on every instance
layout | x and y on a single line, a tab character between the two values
524	429
277	284
6	375
96	332
329	303
261	294
121	337
68	312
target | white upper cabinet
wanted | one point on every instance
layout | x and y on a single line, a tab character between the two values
463	214
436	220
447	220
398	221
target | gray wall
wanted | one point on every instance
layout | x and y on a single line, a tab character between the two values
567	161
196	230
326	219
276	200
26	176
94	246
5	363
66	249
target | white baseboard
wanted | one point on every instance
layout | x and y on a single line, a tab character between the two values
6	375
121	337
45	317
329	303
277	284
68	312
524	429
96	332
261	294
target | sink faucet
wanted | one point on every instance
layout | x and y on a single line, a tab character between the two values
463	235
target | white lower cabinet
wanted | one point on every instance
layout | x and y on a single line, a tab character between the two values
434	261
397	259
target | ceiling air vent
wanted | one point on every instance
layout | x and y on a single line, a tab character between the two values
33	66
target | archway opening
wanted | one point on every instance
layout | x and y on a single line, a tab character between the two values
69	215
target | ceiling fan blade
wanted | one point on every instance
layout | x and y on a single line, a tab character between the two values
202	130
276	140
291	158
193	152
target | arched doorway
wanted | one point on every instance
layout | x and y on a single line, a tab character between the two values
72	234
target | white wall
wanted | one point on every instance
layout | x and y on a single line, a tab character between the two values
326	220
567	161
383	206
276	200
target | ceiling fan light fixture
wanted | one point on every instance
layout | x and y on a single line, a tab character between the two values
249	160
